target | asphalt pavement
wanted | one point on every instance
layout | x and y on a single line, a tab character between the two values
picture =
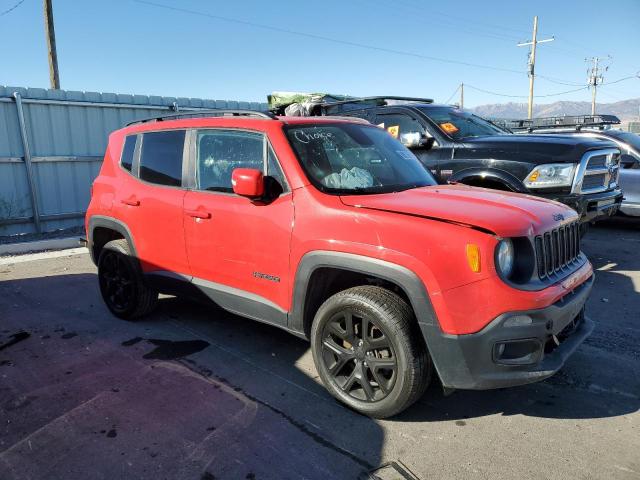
196	393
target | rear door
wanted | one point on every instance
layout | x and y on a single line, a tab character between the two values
152	203
238	249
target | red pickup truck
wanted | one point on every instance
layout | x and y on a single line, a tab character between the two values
331	229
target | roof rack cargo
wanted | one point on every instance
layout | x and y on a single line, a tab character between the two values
562	121
207	113
364	102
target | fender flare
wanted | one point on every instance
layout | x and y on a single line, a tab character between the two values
440	349
407	280
511	181
112	224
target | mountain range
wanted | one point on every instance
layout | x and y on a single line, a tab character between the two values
626	110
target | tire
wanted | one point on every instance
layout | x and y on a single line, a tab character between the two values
121	283
347	360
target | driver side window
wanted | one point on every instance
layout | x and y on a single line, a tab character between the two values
220	152
398	124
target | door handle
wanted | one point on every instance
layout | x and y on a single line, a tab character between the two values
131	201
199	213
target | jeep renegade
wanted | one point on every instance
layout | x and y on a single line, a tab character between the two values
331	229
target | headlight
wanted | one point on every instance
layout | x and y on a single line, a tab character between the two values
551	175
505	257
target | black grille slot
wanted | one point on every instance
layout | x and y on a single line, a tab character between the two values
593	181
599	161
557	249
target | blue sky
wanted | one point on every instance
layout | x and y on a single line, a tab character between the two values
126	46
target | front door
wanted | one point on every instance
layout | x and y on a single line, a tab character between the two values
399	124
238	249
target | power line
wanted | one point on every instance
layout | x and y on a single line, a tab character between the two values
560	82
453	94
637	75
325	38
9	10
524	96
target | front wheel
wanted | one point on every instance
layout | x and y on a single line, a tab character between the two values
369	352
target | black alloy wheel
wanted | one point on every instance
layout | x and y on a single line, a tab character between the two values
359	356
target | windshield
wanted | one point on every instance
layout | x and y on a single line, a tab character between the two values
347	158
460	124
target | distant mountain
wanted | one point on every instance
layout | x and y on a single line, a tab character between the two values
626	110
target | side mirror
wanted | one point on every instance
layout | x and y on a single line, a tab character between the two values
247	182
416	140
629	161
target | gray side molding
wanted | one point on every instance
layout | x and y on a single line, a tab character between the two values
113	224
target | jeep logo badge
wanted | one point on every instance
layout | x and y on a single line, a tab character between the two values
558	217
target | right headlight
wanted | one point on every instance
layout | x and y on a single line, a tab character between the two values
551	175
505	257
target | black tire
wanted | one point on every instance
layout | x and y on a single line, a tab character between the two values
121	283
343	355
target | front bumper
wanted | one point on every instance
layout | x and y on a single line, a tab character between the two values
631	209
474	361
590	206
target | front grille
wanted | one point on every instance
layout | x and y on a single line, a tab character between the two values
557	250
598	161
597	171
594	181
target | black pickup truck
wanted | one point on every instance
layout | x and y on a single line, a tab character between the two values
458	146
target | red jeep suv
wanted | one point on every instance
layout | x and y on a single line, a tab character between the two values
331	229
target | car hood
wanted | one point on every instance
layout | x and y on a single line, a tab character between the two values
502	213
535	148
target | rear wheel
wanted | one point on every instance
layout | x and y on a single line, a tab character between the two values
121	283
369	352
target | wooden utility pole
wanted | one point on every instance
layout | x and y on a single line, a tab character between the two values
595	79
51	45
532	60
462	95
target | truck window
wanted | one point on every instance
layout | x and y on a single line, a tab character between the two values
161	157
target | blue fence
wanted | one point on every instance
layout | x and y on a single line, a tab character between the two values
51	146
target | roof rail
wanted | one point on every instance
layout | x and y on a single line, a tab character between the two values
380	100
563	121
208	113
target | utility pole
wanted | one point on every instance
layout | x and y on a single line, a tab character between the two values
532	60
51	45
595	79
462	95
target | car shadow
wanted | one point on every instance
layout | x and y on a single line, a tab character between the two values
242	358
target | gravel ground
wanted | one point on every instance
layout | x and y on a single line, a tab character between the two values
196	393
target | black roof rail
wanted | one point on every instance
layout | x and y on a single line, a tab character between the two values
380	100
342	106
208	113
560	121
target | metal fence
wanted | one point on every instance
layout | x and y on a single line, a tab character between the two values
52	144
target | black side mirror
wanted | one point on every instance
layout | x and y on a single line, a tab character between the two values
629	161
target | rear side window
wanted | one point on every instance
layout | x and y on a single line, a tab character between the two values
161	157
127	152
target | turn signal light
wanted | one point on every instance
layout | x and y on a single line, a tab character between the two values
473	257
534	176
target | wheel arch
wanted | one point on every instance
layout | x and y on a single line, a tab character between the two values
103	229
312	271
477	176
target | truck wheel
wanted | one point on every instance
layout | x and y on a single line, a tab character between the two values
369	352
121	283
